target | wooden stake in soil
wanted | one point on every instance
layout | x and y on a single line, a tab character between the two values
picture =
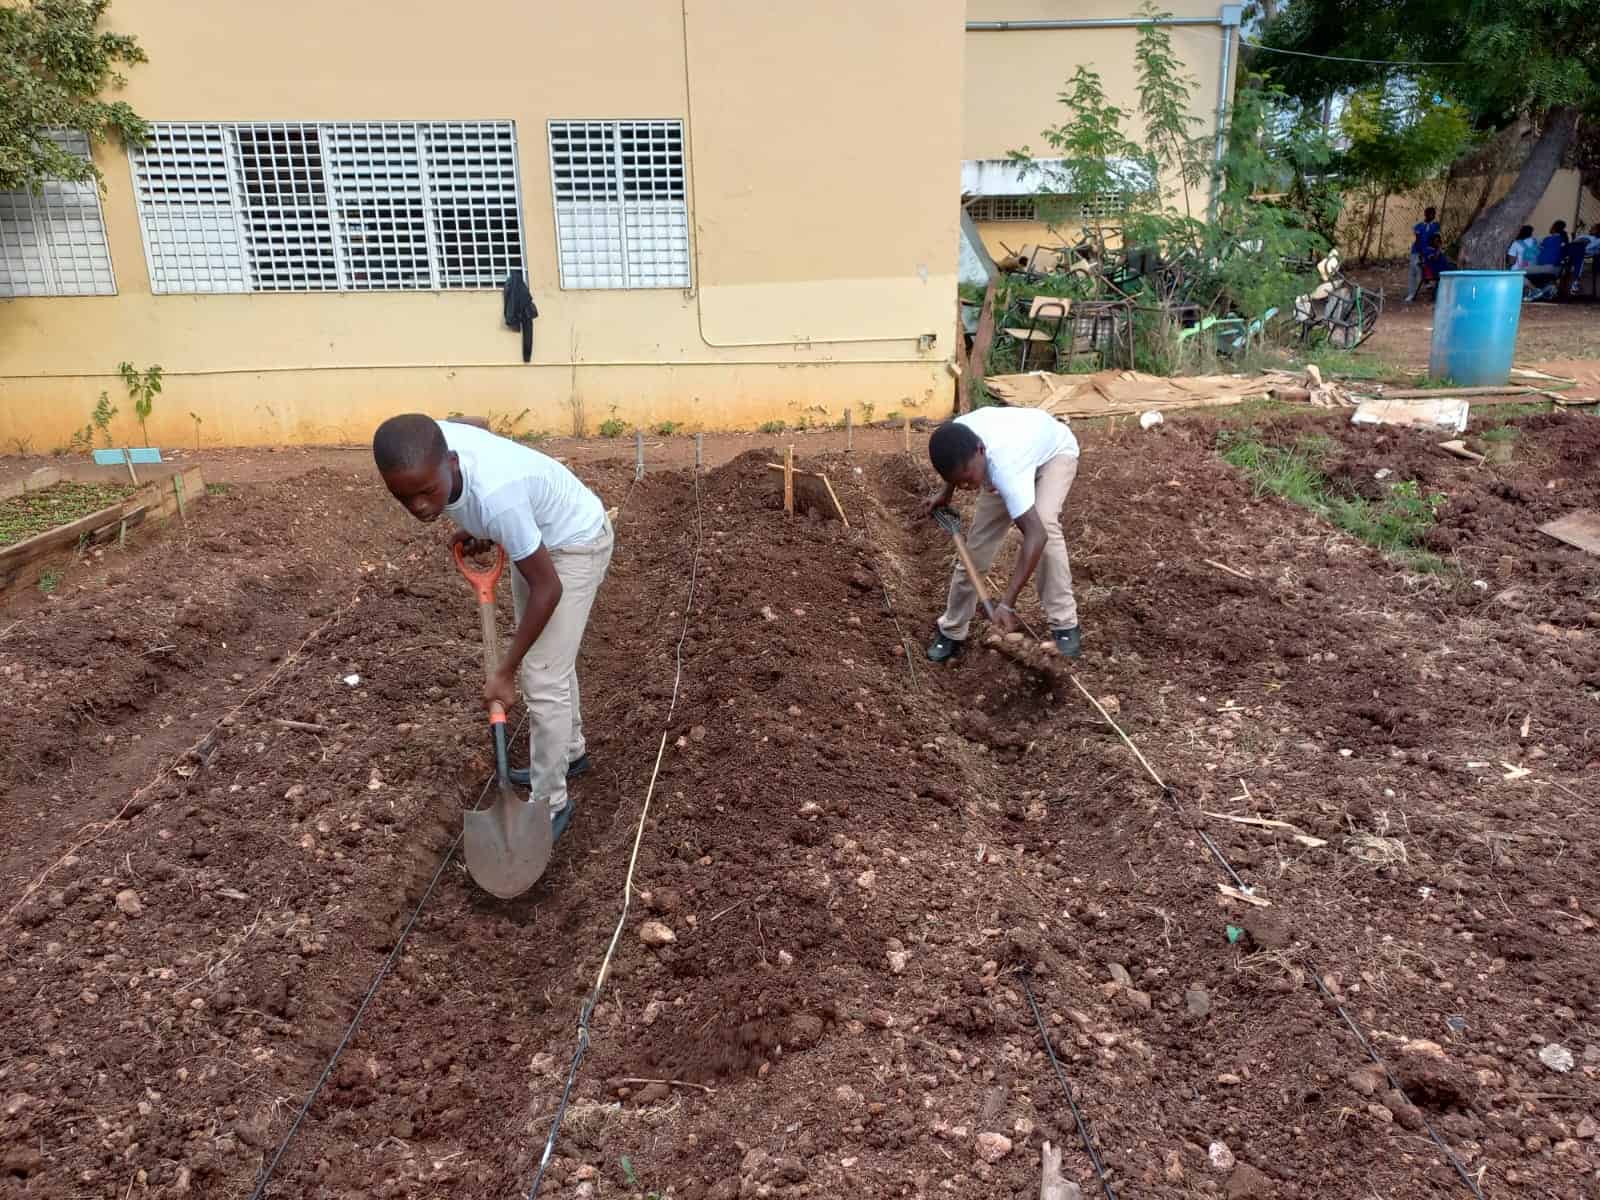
638	455
907	419
699	447
127	461
788	479
849	432
177	490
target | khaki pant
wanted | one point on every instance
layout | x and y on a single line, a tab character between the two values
990	522
549	673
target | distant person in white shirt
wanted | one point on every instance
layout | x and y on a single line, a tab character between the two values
1023	462
555	532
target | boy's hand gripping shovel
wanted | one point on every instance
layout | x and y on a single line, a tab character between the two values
950	521
507	845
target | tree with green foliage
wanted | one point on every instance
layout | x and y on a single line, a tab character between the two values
1502	61
55	65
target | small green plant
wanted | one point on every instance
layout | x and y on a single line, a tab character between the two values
867	409
533	437
217	489
104	410
668	428
612	427
1500	433
195	417
770	427
143	388
893	418
22	445
49	581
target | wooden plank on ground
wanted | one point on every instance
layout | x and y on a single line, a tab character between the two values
1580	529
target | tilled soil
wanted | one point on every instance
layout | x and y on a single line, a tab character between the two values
855	852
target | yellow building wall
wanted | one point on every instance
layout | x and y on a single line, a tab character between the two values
822	218
1013	80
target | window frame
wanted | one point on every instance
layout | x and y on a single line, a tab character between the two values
470	193
39	219
629	218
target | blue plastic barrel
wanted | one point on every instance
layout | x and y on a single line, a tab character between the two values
1475	327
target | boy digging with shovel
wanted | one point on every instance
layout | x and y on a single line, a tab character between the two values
1023	462
556	534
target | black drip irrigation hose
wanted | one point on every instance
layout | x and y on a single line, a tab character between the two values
361	1009
377	980
1061	1077
593	998
1171	795
1461	1170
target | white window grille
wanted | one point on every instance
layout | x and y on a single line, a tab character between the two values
1002	208
54	243
329	206
621	201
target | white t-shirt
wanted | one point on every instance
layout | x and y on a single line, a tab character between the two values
518	497
1018	442
1523	254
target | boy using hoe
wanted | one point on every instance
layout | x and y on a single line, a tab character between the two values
559	540
1023	462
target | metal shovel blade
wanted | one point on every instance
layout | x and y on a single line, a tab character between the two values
507	845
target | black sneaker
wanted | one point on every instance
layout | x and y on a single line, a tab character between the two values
560	820
581	765
944	648
1068	641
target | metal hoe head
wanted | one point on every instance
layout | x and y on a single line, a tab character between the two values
507	845
949	520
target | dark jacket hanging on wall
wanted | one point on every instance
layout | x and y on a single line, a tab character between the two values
521	311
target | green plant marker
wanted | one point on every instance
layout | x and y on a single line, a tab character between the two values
1234	934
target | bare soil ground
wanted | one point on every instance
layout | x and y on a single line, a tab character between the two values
856	852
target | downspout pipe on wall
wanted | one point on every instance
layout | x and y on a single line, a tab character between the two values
1231	18
1087	23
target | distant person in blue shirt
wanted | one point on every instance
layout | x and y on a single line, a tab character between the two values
1433	257
1553	249
1421	232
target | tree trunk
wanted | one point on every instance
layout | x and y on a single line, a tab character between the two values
1484	246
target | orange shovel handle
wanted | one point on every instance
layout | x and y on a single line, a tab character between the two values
482	579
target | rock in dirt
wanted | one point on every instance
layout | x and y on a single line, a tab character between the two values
1198	1001
1588	1128
1139	1000
992	1147
1557	1057
1247	1183
655	933
128	903
897	961
652	1093
1221	1157
1119	974
1405	1113
1367	1080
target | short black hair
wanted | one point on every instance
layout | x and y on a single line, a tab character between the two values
951	447
1525	232
1559	227
1429	213
408	441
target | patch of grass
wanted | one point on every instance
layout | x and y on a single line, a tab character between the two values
534	437
613	428
1501	414
49	581
1351	364
218	489
668	428
1500	433
770	427
1395	524
24	516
